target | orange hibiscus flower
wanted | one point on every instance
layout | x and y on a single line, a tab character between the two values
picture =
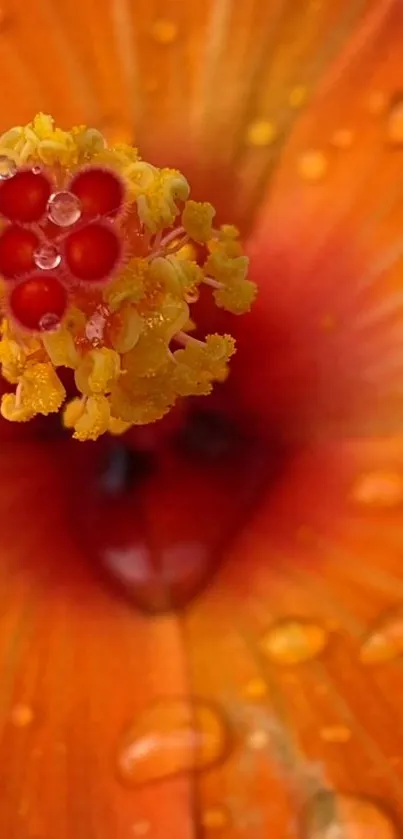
202	625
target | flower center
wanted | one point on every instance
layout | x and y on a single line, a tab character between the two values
102	256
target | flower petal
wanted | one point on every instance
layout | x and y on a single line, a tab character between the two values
77	668
327	250
281	641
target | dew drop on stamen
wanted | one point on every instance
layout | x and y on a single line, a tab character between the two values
47	257
64	208
49	322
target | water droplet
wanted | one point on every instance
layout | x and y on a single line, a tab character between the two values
47	257
170	738
164	31
49	322
312	165
332	816
343	139
258	739
297	96
385	641
335	734
293	641
255	689
22	715
394	125
215	818
64	208
37	170
379	489
8	167
261	133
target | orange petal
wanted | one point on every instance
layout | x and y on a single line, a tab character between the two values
327	250
77	670
282	639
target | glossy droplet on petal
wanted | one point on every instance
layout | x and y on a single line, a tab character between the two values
172	737
380	488
385	641
294	641
47	257
8	167
332	816
24	197
164	31
100	192
39	296
312	165
92	252
64	208
22	715
17	249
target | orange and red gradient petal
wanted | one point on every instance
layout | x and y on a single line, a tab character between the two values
326	250
78	667
299	640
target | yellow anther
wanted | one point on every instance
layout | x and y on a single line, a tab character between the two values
41	389
118	426
73	411
61	348
13	360
156	204
125	329
199	364
197	219
235	293
94	419
97	371
128	287
13	410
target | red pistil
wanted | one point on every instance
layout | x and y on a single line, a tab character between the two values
24	197
100	191
17	248
39	302
92	252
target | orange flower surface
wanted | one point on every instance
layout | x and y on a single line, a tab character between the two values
202	622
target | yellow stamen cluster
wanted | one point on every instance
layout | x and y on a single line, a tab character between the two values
127	342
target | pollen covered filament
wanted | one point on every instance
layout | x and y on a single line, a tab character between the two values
114	303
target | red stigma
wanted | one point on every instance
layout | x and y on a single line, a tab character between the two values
92	252
100	191
38	302
17	248
24	197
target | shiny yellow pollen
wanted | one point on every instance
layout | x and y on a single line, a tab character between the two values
127	342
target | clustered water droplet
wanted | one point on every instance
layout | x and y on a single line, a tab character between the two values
68	232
